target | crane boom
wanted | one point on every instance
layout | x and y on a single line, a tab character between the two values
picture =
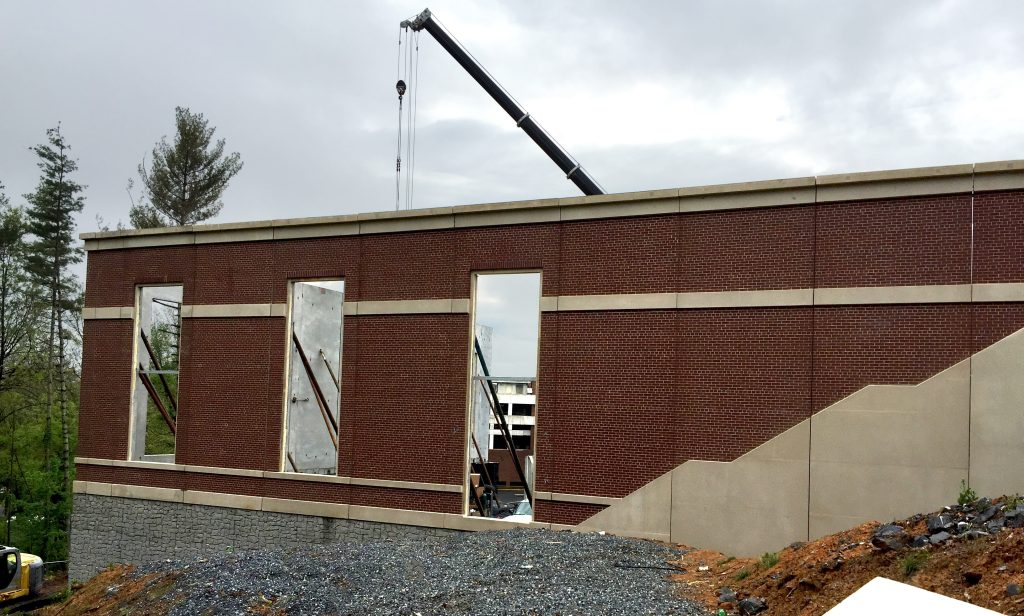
572	169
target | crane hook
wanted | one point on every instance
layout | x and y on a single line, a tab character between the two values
400	86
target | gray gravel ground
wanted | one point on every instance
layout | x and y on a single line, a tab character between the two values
512	572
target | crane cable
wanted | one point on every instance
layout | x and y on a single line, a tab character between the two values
400	87
414	67
408	71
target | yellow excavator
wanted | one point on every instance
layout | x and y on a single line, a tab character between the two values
21	575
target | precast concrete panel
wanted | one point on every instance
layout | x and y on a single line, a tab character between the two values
316	321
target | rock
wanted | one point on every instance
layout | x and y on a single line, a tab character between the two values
971	577
726	595
1014	518
889	537
962	527
752	605
939	523
809	584
831	564
919	541
939	537
786	579
975	534
994	526
987	514
1012	590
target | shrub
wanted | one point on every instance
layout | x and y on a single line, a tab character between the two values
967	495
768	560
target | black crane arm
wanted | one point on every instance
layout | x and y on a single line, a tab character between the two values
572	169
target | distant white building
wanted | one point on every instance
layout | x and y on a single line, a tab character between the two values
518	403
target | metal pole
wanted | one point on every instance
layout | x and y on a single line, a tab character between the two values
321	400
493	392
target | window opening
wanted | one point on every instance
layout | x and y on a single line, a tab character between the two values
157	349
313	387
502	413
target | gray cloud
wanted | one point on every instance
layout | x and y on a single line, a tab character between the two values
645	94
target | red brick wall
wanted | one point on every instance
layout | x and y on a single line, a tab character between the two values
327	258
744	375
614	425
628	255
623	395
912	241
111	275
999	237
226	397
406	266
770	248
520	247
105	392
409	405
856	346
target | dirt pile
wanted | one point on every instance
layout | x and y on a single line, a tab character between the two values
969	552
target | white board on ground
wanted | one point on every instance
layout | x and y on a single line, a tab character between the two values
884	597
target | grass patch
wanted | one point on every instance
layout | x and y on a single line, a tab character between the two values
742	575
768	560
912	563
726	561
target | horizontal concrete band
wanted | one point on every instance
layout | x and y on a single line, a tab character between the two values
576	498
244	472
300	507
356	481
955	179
849	296
924	294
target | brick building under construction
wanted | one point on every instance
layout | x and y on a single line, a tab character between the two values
735	367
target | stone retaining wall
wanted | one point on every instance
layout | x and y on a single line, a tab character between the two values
111	530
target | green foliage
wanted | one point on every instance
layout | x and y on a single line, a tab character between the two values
37	527
967	495
1011	502
51	211
726	560
768	560
743	574
187	178
39	312
913	562
19	309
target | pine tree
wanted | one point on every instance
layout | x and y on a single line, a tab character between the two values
187	178
51	211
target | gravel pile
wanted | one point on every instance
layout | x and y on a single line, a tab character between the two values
513	572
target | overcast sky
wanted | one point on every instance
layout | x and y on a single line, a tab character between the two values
644	94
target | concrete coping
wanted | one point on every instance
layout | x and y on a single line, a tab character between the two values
951	179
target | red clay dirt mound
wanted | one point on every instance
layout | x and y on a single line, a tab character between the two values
114	591
979	559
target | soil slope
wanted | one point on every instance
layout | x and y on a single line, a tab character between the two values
808	579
